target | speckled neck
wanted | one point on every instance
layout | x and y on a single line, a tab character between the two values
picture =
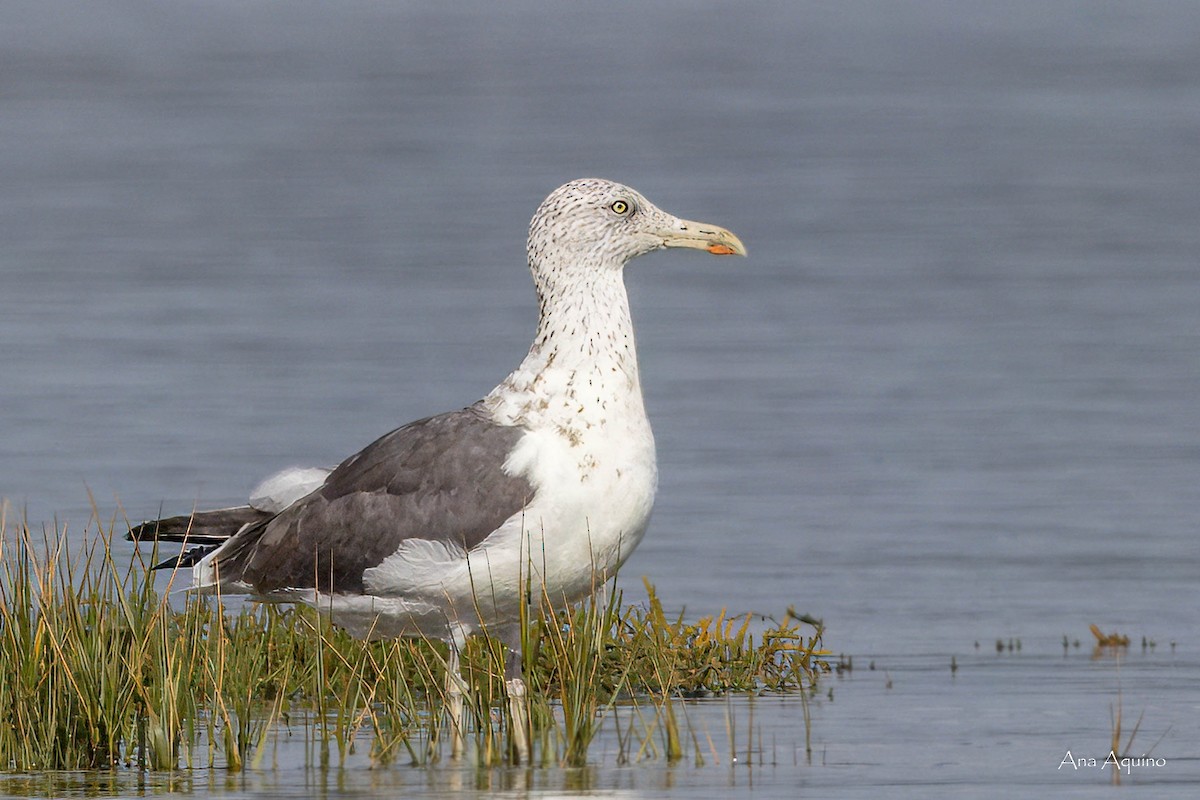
583	355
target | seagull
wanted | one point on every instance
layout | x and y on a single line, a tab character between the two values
536	493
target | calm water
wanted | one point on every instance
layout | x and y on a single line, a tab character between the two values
950	398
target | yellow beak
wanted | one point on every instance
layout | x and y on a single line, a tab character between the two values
702	236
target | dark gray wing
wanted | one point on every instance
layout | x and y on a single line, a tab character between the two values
440	478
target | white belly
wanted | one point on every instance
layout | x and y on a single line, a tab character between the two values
592	504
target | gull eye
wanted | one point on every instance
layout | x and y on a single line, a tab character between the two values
619	207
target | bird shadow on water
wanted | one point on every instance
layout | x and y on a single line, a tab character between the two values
111	684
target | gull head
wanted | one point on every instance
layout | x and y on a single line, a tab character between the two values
595	223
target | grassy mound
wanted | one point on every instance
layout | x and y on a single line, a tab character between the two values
101	669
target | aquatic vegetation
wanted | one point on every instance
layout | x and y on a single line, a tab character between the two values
1110	640
99	668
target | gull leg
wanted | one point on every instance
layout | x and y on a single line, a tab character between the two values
455	690
518	704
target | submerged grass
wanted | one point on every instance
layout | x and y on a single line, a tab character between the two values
99	670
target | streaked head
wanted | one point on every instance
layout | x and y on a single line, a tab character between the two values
598	223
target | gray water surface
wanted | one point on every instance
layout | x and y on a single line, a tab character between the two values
950	397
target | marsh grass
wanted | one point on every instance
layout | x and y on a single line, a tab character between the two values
99	670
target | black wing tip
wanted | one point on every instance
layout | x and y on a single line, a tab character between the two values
200	527
165	530
147	531
186	559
